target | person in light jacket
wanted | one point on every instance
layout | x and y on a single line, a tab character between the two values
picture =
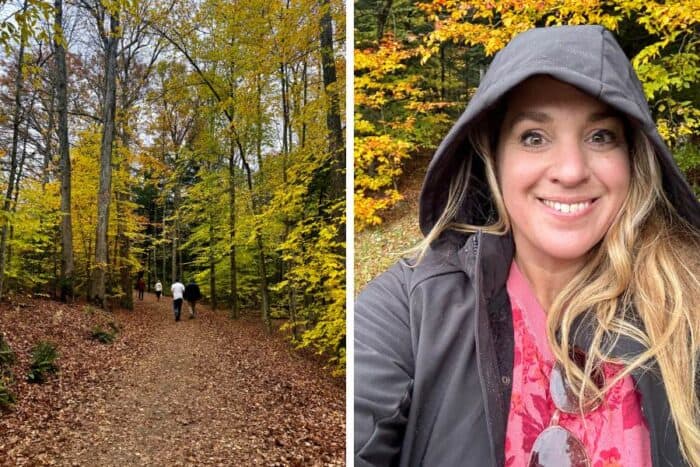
158	289
551	316
177	289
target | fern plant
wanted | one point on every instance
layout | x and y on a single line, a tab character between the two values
7	398
44	355
103	335
7	356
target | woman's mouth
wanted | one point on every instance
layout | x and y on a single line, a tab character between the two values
570	207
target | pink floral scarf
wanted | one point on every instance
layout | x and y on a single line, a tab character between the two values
615	434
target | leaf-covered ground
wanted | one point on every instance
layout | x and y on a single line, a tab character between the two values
208	391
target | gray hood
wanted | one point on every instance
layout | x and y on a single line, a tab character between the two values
587	57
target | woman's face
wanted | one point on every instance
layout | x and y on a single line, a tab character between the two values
563	168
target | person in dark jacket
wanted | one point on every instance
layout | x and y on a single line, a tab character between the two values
551	315
192	294
140	287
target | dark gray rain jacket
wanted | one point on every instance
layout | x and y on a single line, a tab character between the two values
434	343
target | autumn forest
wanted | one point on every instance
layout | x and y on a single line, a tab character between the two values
146	141
417	64
195	140
199	141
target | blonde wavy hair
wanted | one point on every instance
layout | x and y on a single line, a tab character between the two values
640	282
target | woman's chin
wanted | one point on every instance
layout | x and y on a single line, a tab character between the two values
567	252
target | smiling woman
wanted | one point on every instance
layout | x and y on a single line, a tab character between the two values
564	172
551	315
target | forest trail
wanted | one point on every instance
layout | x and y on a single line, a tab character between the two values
207	391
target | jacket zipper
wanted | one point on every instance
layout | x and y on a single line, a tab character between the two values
476	251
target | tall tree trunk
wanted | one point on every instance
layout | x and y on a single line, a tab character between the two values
259	121
382	18
212	264
292	288
122	241
20	167
54	256
286	129
232	201
173	256
336	176
304	102
48	154
61	92
156	276
154	245
293	311
123	248
264	289
164	259
16	120
232	229
97	292
174	270
286	149
180	262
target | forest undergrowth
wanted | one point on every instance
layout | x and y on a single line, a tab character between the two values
378	247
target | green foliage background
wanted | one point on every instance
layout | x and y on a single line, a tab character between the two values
418	63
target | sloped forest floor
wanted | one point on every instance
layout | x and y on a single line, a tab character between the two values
380	246
207	391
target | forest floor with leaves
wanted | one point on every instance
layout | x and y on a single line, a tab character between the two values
380	246
207	391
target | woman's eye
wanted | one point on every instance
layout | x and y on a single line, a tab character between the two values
603	137
532	138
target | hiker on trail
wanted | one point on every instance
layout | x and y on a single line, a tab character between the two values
177	289
192	294
141	287
159	290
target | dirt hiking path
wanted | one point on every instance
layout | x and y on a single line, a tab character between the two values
207	391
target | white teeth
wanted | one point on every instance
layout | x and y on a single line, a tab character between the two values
566	208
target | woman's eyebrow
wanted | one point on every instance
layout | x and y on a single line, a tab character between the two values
543	117
598	116
539	117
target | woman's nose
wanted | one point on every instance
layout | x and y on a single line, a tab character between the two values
569	164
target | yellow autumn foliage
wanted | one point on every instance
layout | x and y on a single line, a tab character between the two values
394	94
